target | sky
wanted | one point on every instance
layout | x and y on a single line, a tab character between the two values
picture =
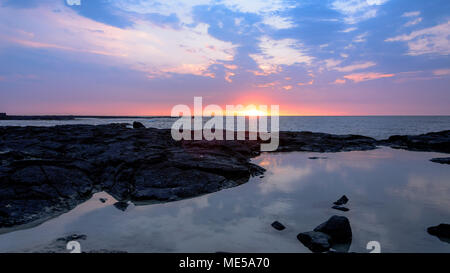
136	57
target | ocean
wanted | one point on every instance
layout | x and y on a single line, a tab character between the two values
379	127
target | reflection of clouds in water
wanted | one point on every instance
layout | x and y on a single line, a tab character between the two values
430	190
284	179
278	207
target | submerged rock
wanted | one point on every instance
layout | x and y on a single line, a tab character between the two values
138	125
441	160
315	241
72	237
278	226
341	208
121	205
341	201
442	230
338	228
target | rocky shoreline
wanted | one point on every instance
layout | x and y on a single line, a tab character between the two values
46	171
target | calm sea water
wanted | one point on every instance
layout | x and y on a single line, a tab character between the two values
394	196
379	127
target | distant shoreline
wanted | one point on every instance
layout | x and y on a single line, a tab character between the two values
70	117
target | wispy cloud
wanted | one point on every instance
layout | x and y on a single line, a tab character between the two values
413	22
411	14
442	72
361	77
278	22
146	47
353	67
276	53
332	64
433	40
357	10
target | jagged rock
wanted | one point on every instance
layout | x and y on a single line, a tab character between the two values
315	241
441	160
138	125
341	201
72	237
442	230
46	171
278	226
430	142
341	208
338	228
121	205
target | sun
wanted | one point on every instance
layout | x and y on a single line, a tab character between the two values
253	113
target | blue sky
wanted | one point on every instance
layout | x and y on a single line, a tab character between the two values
135	57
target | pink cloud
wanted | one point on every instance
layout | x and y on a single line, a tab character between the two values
228	76
361	77
339	81
287	87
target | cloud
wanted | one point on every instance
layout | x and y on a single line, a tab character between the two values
258	6
276	53
332	64
308	83
146	47
441	72
353	67
361	77
357	10
413	22
228	76
360	38
339	81
433	40
270	84
73	2
411	14
278	22
350	29
287	87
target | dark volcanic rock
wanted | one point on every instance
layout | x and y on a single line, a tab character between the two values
340	208
441	160
138	125
341	201
121	205
315	241
441	231
431	142
73	237
338	227
278	226
46	171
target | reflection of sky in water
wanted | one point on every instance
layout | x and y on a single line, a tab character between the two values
394	196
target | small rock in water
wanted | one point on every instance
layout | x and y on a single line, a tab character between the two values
316	157
103	200
315	241
441	160
442	230
338	228
121	205
342	201
138	125
73	237
278	226
341	208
